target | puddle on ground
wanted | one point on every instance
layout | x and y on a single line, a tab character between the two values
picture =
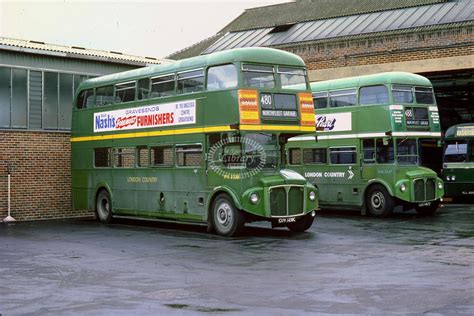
203	309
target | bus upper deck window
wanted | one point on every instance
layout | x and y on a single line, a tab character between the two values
402	94
455	152
222	77
125	92
85	99
347	97
104	95
292	78
191	81
162	86
143	89
373	95
258	76
320	100
424	95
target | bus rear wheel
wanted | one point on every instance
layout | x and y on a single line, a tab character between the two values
379	202
302	224
103	207
427	210
227	220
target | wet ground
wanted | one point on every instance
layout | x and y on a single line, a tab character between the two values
345	264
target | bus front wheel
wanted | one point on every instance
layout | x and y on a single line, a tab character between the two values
103	207
427	210
227	220
379	202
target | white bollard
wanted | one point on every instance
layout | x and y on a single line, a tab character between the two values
8	218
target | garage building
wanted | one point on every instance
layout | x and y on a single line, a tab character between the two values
37	82
343	38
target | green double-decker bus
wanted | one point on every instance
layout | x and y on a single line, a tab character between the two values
458	161
376	145
199	140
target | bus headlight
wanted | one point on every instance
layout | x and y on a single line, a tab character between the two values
403	187
312	196
440	185
453	178
254	198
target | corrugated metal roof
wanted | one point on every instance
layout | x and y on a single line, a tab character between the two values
399	19
195	49
311	10
35	47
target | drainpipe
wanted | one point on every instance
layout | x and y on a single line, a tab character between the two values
8	218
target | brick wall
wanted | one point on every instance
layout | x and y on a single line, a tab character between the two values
448	42
41	176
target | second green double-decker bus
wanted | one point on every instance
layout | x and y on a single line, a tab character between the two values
378	136
458	161
198	140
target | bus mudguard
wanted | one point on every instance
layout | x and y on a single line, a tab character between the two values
222	189
378	181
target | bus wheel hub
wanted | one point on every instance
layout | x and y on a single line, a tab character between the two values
377	200
224	214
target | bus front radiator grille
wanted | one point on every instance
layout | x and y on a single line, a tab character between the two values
430	189
419	190
278	201
295	200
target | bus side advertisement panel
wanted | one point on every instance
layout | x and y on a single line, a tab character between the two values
334	122
158	115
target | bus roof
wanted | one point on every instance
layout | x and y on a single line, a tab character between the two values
250	54
460	131
395	77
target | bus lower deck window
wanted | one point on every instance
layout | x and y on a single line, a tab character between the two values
189	155
385	153
314	155
103	157
124	157
343	155
143	159
295	156
162	156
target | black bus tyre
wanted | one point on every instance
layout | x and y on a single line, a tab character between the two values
103	207
226	219
302	224
427	210
379	202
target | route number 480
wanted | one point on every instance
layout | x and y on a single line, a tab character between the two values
266	99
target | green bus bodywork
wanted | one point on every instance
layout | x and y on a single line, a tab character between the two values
378	137
458	161
141	141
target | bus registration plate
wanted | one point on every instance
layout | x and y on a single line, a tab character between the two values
286	220
424	204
